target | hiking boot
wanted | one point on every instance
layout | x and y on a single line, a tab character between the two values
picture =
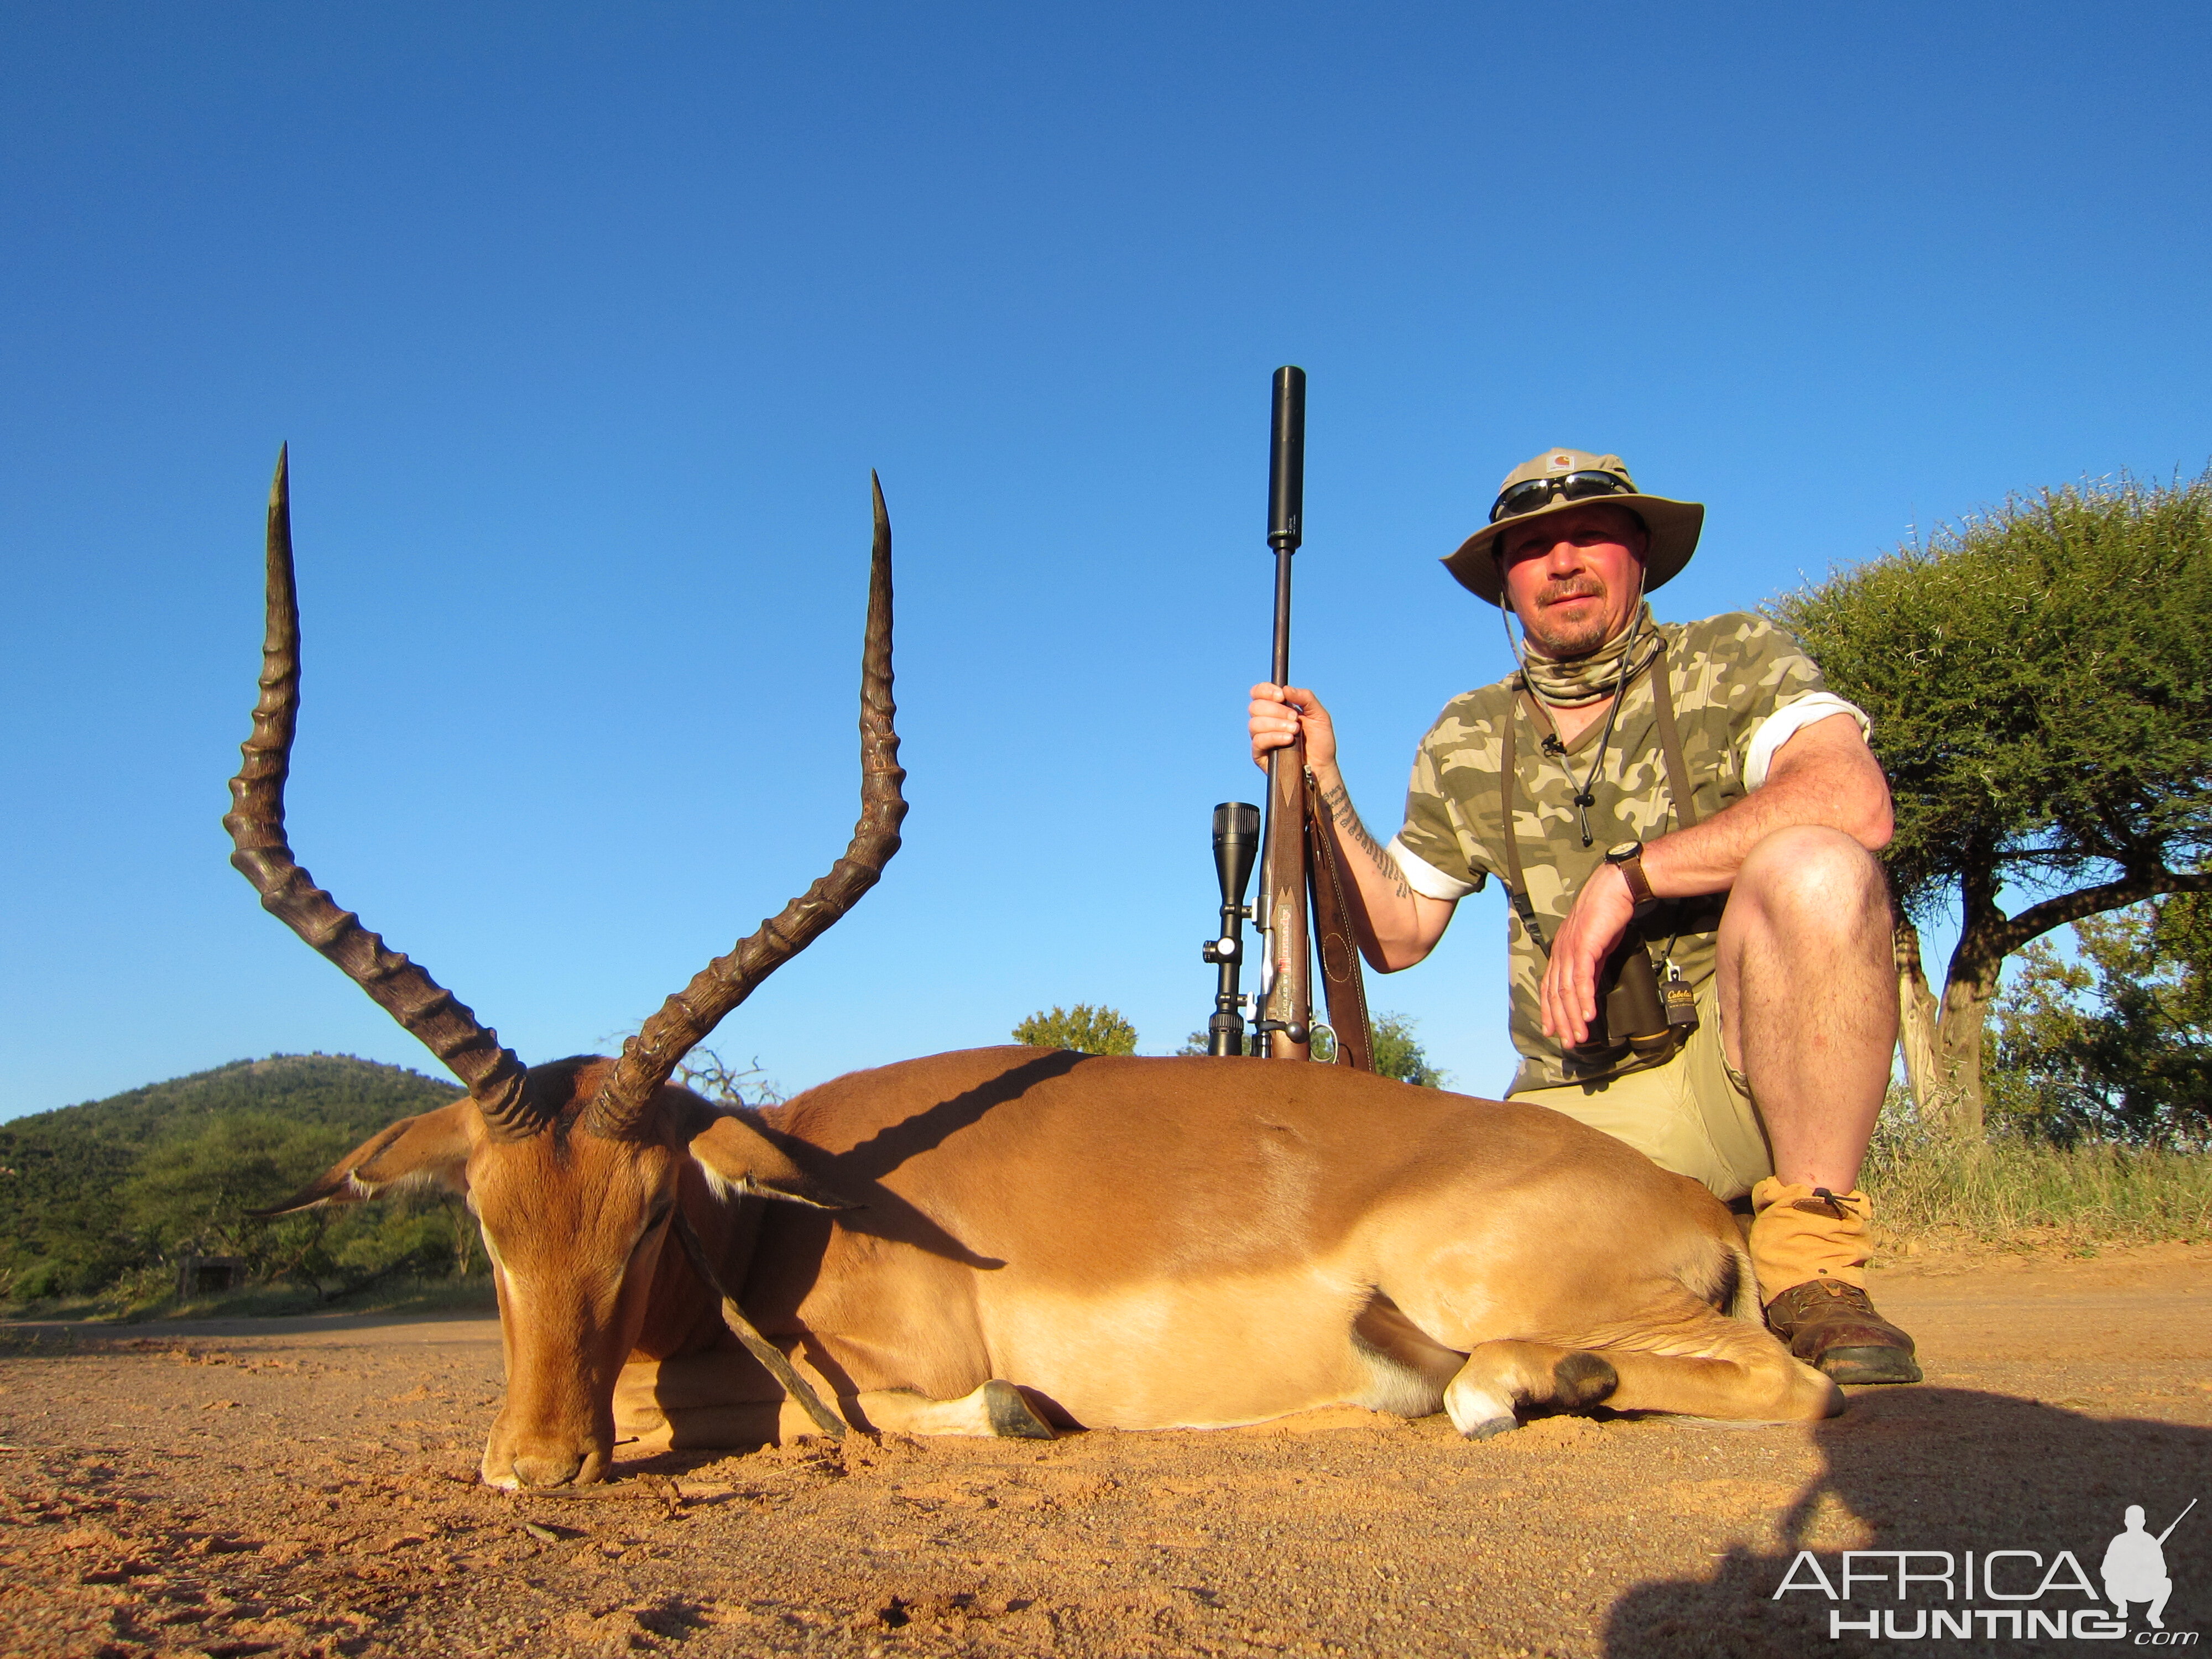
1833	1326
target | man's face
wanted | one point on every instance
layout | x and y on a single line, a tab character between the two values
1573	578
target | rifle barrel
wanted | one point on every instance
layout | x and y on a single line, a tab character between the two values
2176	1522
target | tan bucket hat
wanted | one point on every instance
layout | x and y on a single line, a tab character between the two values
1558	479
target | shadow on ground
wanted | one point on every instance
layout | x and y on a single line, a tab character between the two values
1945	1469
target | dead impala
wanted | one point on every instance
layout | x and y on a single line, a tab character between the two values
1006	1239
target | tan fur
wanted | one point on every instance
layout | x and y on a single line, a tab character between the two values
1156	1243
1137	1244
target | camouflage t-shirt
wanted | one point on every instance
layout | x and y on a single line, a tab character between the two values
1731	675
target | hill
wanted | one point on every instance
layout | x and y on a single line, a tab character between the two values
325	1090
94	1194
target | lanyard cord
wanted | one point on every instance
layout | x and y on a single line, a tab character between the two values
1584	800
1678	782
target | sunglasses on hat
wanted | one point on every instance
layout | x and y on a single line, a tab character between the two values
1528	497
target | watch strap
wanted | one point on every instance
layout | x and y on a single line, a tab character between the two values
1639	885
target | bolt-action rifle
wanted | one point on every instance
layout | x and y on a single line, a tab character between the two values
1298	862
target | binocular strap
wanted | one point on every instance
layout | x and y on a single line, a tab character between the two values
1670	746
1516	885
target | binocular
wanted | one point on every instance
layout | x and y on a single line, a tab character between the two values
1637	1014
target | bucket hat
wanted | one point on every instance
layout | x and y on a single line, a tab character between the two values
1560	479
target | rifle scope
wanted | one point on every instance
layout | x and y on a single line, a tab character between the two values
1236	844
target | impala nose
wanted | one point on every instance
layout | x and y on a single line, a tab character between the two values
548	1468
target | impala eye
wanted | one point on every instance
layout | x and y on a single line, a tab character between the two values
661	1211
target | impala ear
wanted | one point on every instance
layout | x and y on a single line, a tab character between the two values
741	1156
434	1147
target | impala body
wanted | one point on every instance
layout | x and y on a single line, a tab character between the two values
1005	1240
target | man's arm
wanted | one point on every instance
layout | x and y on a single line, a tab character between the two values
1825	775
1396	926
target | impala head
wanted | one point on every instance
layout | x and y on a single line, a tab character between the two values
572	1168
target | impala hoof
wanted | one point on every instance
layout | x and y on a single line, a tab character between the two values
1490	1427
1011	1417
1582	1379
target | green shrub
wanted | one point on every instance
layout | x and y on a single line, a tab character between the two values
1086	1030
1397	1054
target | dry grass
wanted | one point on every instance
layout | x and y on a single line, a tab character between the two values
1931	1188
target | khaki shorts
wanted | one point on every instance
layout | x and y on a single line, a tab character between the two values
1693	1116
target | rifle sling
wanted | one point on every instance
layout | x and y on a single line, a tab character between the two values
1333	938
1678	786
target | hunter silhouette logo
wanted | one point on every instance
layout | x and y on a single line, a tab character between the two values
2015	1594
2134	1567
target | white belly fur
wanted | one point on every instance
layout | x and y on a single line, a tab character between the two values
1199	1353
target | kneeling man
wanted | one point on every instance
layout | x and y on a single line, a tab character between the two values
1689	794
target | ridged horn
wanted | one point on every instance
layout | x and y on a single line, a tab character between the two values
652	1056
256	822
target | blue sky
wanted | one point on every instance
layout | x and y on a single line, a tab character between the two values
585	325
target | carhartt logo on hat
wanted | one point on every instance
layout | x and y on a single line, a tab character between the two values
1562	478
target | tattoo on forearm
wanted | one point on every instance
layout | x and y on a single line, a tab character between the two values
1339	802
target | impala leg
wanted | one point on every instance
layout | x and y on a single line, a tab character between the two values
997	1409
698	1402
694	1401
1501	1378
1738	1373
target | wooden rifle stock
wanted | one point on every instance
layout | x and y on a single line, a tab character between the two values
1288	1009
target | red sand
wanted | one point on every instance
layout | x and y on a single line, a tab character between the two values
307	1485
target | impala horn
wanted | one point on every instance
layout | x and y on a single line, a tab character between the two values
256	822
651	1057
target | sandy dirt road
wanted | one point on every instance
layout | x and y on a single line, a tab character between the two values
307	1486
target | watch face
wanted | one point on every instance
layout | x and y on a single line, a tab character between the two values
1626	850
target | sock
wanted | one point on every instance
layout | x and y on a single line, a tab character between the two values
1800	1232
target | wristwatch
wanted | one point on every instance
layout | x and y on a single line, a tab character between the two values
1628	858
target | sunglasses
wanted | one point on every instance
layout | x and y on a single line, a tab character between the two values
1569	486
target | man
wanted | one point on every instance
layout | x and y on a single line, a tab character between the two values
1757	900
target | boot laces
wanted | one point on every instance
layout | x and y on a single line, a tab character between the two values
1837	1207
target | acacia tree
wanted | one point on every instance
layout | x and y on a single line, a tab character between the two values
703	1071
2039	680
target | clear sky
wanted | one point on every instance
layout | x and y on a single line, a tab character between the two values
585	325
